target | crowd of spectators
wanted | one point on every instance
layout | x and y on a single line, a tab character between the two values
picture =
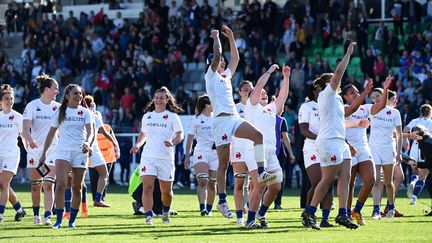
122	61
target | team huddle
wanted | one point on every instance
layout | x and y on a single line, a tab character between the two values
60	139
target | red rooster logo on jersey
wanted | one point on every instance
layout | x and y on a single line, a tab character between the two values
143	169
31	161
238	155
333	159
224	137
313	157
80	113
11	117
200	157
165	116
54	108
388	112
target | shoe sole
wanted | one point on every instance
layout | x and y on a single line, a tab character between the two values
269	179
410	190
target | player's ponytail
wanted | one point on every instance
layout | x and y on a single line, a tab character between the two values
202	101
44	81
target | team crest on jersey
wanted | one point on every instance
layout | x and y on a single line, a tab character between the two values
165	116
38	109
388	112
80	113
238	155
200	157
224	137
333	159
54	108
31	161
11	117
313	157
143	169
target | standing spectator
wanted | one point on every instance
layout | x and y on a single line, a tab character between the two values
368	63
9	17
362	34
414	15
396	13
127	100
392	49
379	67
326	29
177	70
104	84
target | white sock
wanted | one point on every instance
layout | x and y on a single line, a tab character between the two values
20	210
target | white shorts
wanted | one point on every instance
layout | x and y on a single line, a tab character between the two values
363	154
310	157
224	128
9	161
163	169
332	151
279	177
383	155
76	158
33	156
97	158
206	156
271	162
244	155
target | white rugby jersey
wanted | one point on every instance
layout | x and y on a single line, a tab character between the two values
200	127
308	113
241	142
72	131
10	129
356	136
158	128
332	115
382	125
40	116
264	119
220	91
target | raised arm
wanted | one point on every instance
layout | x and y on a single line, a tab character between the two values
235	58
379	106
262	81
284	90
217	50
341	67
359	100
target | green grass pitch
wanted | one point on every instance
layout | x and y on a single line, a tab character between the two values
117	224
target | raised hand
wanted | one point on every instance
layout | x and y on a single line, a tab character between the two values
273	68
214	34
227	32
388	82
286	71
350	49
369	86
